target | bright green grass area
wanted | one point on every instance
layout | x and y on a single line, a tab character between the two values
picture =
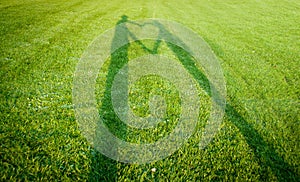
257	43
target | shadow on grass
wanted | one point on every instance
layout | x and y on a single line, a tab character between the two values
104	168
264	151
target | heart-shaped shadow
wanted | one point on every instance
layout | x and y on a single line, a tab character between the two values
145	28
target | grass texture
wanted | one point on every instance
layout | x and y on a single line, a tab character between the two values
257	43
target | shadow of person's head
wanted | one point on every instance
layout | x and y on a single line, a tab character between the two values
124	17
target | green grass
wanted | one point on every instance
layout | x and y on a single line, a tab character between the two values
257	43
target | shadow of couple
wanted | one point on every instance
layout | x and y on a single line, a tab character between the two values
264	152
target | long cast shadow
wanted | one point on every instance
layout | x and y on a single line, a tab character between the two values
104	168
119	58
264	152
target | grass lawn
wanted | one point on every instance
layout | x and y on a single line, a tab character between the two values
256	42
